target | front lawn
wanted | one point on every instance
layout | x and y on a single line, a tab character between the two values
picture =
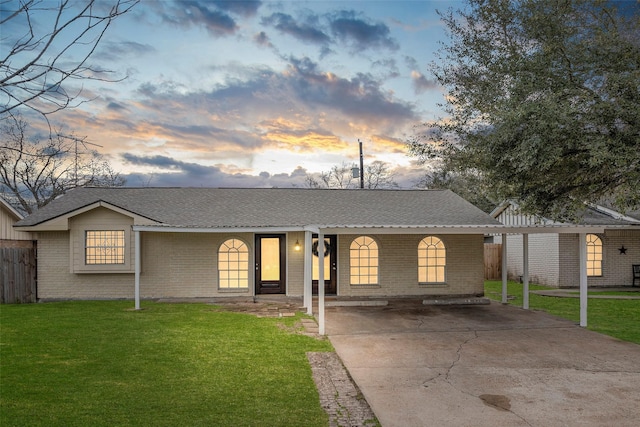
615	317
89	363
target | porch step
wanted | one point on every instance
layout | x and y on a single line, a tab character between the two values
457	301
356	303
310	326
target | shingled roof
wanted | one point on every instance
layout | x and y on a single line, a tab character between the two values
275	207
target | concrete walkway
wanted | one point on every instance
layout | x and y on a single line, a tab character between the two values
485	365
593	293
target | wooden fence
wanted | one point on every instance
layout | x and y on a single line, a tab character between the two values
18	274
492	261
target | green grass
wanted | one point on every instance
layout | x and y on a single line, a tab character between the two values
102	364
615	317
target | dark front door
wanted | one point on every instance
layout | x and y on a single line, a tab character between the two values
330	270
270	264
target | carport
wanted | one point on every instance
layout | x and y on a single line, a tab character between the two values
503	230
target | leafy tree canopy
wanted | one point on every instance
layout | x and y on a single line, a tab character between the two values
543	98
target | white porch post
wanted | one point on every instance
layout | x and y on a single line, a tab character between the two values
308	259
504	268
582	250
136	235
525	273
320	282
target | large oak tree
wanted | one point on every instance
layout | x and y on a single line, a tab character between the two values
543	102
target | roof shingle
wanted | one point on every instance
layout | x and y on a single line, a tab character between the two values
275	207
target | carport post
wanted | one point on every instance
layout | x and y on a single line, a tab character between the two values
525	273
582	250
320	282
308	259
136	242
504	268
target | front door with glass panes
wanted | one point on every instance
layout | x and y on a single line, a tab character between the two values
270	264
330	268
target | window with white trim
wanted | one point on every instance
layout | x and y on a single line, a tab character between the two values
104	247
432	260
363	261
233	265
594	255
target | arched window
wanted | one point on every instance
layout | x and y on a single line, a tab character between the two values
233	265
432	259
594	255
363	260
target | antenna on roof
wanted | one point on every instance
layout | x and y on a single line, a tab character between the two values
75	164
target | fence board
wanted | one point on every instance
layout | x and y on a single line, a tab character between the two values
492	261
18	276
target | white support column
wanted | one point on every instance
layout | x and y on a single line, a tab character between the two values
504	268
320	283
525	273
582	251
308	259
136	235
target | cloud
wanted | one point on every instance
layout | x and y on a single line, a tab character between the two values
345	27
261	39
361	33
113	51
201	13
244	7
306	32
360	97
421	83
183	174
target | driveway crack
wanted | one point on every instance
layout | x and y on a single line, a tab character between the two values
488	400
459	355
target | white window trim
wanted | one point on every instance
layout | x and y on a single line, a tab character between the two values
238	289
365	285
438	283
77	248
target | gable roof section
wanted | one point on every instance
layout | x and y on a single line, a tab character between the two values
593	215
10	209
274	207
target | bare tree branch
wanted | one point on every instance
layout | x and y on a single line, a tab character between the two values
34	172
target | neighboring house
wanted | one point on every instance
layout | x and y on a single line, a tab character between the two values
553	258
100	243
9	236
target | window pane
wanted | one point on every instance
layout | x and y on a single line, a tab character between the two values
431	260
233	264
104	247
270	256
594	255
363	261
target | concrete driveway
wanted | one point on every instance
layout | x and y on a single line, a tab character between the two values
485	365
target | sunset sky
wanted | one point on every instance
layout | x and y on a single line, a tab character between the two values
257	94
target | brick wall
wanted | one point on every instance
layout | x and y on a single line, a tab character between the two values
616	267
185	265
56	281
398	259
295	265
